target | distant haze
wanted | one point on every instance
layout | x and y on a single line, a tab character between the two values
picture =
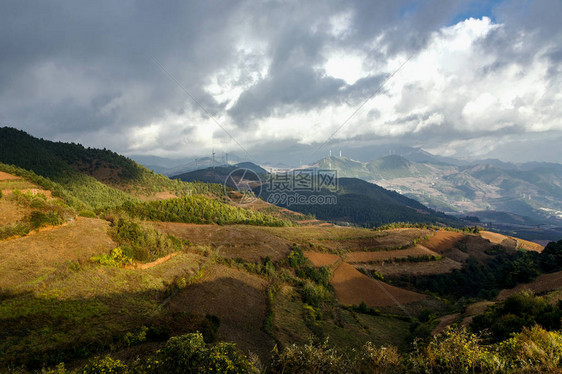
287	81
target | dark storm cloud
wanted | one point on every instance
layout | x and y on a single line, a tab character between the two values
72	56
89	71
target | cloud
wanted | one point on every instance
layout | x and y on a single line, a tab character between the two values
282	76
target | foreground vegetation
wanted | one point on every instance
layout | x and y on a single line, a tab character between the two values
455	351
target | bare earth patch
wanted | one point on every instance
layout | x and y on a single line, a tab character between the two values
442	240
417	250
510	242
352	287
232	241
321	259
444	322
442	266
238	299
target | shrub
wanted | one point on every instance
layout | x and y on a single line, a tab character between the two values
372	359
455	351
105	365
189	354
140	242
319	275
534	350
115	258
19	229
87	214
309	359
40	219
296	257
516	312
314	294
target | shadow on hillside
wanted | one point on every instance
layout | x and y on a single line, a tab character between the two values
37	332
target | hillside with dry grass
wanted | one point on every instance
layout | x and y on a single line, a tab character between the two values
128	279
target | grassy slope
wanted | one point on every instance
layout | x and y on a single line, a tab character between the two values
95	178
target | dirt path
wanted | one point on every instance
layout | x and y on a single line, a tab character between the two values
148	265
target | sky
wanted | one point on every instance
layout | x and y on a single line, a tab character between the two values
287	81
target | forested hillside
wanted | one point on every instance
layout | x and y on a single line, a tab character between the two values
366	204
93	178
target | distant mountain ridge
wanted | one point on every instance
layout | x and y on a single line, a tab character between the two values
532	190
358	202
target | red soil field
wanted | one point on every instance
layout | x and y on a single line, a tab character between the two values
417	250
442	240
352	287
321	259
510	242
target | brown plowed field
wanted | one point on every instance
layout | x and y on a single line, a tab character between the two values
375	241
352	287
237	298
509	242
442	240
232	241
445	265
544	282
321	259
417	250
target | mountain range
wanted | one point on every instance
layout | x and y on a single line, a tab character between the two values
532	192
110	267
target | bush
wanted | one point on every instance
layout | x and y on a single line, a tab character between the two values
115	258
19	229
314	294
309	359
40	219
87	214
296	257
516	312
372	359
189	354
534	350
455	351
105	365
140	242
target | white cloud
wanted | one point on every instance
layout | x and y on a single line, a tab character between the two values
285	72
